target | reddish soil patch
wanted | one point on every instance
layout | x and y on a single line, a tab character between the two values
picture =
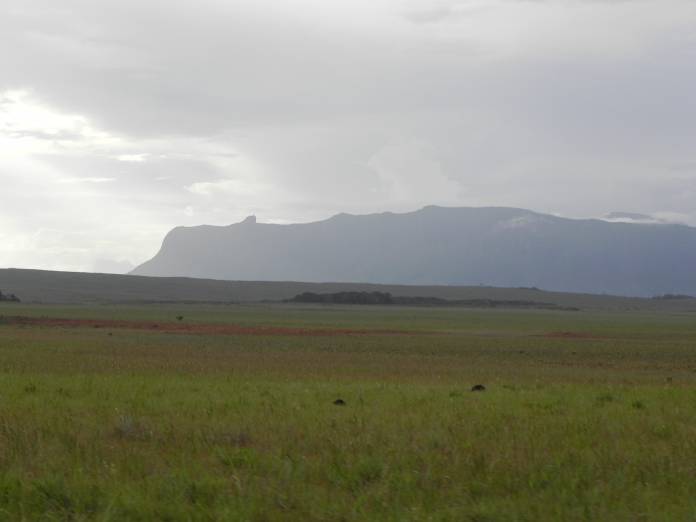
193	328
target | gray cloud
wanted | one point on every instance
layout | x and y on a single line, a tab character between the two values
298	110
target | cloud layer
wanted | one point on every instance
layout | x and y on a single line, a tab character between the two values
120	120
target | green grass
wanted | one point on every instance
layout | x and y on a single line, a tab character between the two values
120	424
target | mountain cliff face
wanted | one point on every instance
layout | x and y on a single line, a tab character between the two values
448	246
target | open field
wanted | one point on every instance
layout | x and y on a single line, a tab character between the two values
121	412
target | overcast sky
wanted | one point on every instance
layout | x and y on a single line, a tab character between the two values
120	119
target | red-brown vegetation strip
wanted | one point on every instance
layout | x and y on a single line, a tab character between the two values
192	328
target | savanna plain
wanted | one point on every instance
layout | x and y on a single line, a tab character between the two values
227	412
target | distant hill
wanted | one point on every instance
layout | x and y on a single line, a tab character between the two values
501	247
39	286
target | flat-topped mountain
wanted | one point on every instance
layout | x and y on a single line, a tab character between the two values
442	246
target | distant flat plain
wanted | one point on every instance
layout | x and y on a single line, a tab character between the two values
48	287
226	412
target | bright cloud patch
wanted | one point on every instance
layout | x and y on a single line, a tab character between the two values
27	126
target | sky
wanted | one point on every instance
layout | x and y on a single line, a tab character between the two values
121	119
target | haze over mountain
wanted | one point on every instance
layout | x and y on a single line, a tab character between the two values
444	246
632	217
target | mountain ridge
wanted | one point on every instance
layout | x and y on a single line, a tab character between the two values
496	246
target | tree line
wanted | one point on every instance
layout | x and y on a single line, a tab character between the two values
9	298
385	298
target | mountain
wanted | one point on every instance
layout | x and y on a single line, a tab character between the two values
503	247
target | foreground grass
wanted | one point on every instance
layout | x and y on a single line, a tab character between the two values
131	425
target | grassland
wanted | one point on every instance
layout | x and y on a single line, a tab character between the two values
587	416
